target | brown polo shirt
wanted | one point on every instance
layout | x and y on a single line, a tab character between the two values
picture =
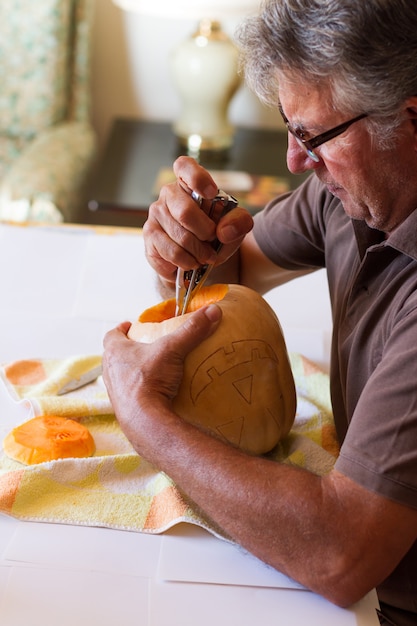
373	292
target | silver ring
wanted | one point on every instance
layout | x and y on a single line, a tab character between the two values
196	196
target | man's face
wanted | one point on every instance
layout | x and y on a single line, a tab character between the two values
374	185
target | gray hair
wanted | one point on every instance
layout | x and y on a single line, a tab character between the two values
365	50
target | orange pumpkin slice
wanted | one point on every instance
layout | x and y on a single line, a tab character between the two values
47	438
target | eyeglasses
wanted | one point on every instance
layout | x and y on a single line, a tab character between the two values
310	144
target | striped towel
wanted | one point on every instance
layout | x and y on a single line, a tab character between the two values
116	488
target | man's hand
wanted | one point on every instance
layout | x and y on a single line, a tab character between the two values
178	232
138	375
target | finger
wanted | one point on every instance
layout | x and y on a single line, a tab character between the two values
117	334
116	344
176	209
198	327
165	255
177	233
164	234
195	177
234	226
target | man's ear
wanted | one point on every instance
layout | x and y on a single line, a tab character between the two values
411	109
411	112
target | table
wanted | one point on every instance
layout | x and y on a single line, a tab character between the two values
123	185
62	288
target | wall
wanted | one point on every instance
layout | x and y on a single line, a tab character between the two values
130	71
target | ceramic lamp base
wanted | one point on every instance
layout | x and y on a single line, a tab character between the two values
205	73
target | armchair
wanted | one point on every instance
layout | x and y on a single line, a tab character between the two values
47	143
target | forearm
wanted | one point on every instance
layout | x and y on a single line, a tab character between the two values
281	514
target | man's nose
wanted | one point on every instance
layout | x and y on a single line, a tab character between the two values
298	161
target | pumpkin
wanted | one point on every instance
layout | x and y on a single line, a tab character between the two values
238	383
47	438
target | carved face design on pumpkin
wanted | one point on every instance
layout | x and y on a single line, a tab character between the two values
230	387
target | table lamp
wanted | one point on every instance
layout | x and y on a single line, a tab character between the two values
204	68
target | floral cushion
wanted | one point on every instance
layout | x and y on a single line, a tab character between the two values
10	148
47	143
44	182
34	60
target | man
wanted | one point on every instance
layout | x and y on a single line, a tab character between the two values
343	74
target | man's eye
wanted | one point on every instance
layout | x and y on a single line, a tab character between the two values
302	134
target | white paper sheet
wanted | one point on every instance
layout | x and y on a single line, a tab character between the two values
8	528
194	555
82	548
4	579
209	605
64	598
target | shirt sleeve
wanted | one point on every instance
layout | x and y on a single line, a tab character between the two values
380	448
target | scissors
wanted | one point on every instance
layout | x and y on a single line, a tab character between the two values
188	282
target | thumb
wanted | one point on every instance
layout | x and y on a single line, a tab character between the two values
199	326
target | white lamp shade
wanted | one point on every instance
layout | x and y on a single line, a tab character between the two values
191	9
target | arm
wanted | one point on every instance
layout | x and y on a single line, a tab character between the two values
328	533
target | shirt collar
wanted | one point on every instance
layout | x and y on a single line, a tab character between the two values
403	239
366	237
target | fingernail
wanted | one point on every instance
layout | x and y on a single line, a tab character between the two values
230	232
213	312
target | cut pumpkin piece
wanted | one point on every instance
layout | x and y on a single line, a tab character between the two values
48	438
